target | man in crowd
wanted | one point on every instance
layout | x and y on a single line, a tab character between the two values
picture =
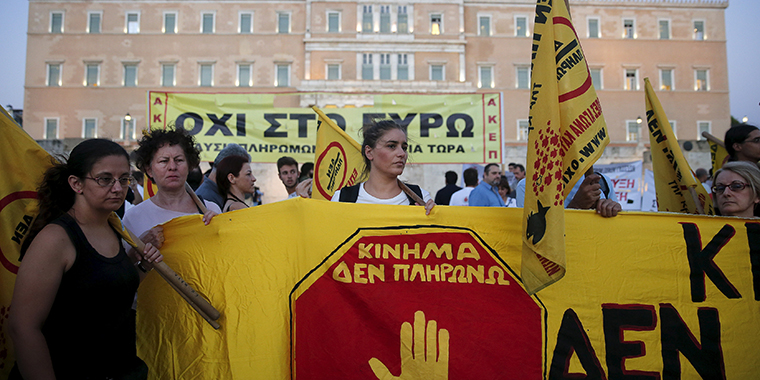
487	192
443	196
208	190
462	197
287	170
594	192
519	172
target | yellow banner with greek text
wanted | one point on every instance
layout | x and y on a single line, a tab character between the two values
303	298
678	190
567	134
452	128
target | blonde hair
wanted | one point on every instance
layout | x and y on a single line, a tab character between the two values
747	170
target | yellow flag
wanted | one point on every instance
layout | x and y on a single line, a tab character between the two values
677	187
718	154
23	162
338	161
567	134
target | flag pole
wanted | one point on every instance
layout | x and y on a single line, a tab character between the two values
713	139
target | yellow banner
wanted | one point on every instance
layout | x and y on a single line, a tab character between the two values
678	190
718	155
567	134
23	163
338	161
662	295
455	128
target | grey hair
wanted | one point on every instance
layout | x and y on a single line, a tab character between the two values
231	150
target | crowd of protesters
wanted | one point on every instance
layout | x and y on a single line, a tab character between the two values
75	259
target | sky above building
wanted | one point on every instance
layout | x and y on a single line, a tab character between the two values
742	29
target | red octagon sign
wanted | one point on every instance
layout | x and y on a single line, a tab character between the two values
419	302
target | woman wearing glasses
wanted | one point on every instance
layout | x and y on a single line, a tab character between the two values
736	189
166	157
71	303
743	143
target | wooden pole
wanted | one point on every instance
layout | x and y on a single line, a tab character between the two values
410	193
713	139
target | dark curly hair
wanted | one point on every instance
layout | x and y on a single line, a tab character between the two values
55	195
150	144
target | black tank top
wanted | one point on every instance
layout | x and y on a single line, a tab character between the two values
89	330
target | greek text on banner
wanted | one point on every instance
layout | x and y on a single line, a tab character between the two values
455	128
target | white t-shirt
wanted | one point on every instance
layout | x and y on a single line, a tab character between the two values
461	197
147	215
364	197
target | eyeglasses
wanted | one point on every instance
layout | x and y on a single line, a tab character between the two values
756	140
734	186
109	181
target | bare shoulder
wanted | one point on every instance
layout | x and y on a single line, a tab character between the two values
53	246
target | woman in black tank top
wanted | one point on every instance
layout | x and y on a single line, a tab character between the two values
70	315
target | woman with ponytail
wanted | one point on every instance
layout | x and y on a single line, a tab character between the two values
70	316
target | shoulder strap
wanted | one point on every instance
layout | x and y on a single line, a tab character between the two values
416	189
349	194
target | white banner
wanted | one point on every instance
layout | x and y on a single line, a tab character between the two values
626	180
649	199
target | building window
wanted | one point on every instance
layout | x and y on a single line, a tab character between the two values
593	28
92	75
596	78
699	30
632	130
402	69
484	25
664	29
206	77
333	22
56	22
385	19
631	79
521	26
53	74
244	78
368	23
89	128
385	66
522	130
523	77
283	22
629	28
368	70
130	75
51	128
93	22
485	77
701	80
436	24
673	128
283	75
132	22
703	126
246	23
666	79
170	22
127	129
333	71
207	22
403	20
167	75
437	73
